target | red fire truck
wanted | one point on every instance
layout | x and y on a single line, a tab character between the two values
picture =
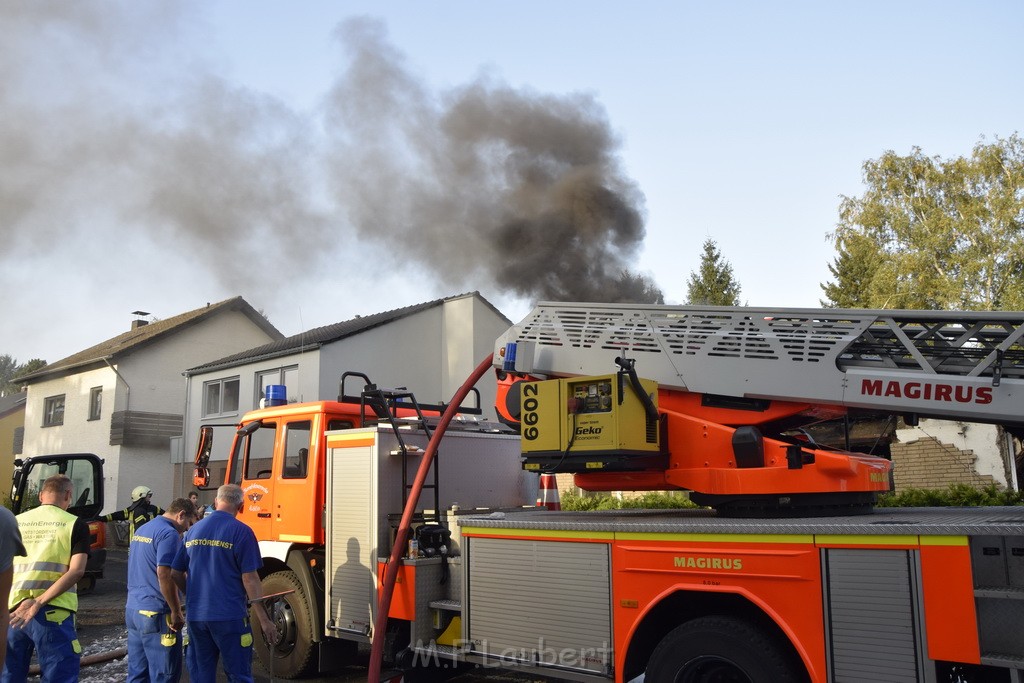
789	574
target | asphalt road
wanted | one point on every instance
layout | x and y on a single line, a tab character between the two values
101	631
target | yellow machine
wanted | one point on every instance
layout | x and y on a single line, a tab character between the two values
592	423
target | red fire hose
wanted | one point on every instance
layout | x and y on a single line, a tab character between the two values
391	571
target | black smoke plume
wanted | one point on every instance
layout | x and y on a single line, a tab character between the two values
118	143
486	182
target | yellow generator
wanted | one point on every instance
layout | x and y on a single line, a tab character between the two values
584	424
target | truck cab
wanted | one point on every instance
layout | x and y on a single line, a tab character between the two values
278	459
279	456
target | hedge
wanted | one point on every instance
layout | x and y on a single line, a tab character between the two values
956	495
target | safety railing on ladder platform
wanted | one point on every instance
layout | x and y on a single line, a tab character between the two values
959	364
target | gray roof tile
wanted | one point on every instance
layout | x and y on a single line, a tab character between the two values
132	340
315	338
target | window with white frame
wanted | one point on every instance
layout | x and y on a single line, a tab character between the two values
220	396
95	403
288	376
53	411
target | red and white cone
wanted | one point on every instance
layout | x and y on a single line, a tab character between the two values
548	494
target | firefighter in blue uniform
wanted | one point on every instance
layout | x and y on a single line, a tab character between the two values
44	597
153	611
219	562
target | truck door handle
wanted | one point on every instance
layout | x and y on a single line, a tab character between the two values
263	514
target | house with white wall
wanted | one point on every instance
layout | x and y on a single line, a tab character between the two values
429	348
124	399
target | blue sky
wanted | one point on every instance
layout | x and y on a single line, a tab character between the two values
743	122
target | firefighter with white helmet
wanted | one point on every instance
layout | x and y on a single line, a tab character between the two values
139	512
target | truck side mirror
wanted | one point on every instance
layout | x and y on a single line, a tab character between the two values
201	473
201	477
16	483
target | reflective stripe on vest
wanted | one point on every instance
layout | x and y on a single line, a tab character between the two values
46	533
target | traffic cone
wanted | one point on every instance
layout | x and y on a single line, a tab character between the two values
548	494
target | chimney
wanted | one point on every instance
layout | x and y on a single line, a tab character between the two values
139	322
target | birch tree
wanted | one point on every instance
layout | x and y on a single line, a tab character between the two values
933	233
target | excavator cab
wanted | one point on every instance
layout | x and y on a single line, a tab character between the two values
84	469
86	472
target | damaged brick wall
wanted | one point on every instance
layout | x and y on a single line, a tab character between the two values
928	463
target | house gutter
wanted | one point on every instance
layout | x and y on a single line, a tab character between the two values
128	387
185	429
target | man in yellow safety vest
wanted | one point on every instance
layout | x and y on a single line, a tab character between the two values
44	599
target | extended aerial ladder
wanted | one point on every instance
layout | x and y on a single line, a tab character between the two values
734	388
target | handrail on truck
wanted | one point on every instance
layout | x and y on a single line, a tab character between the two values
391	571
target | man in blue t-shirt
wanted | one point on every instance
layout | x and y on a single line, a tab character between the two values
153	611
219	562
10	546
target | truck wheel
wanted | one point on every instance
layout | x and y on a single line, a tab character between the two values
293	655
721	649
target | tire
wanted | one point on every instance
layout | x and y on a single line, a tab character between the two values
293	655
721	650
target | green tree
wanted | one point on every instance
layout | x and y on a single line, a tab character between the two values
31	366
713	284
935	234
854	270
10	370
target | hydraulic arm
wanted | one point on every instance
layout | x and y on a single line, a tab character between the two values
715	400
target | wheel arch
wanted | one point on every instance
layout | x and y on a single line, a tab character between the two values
303	562
681	605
